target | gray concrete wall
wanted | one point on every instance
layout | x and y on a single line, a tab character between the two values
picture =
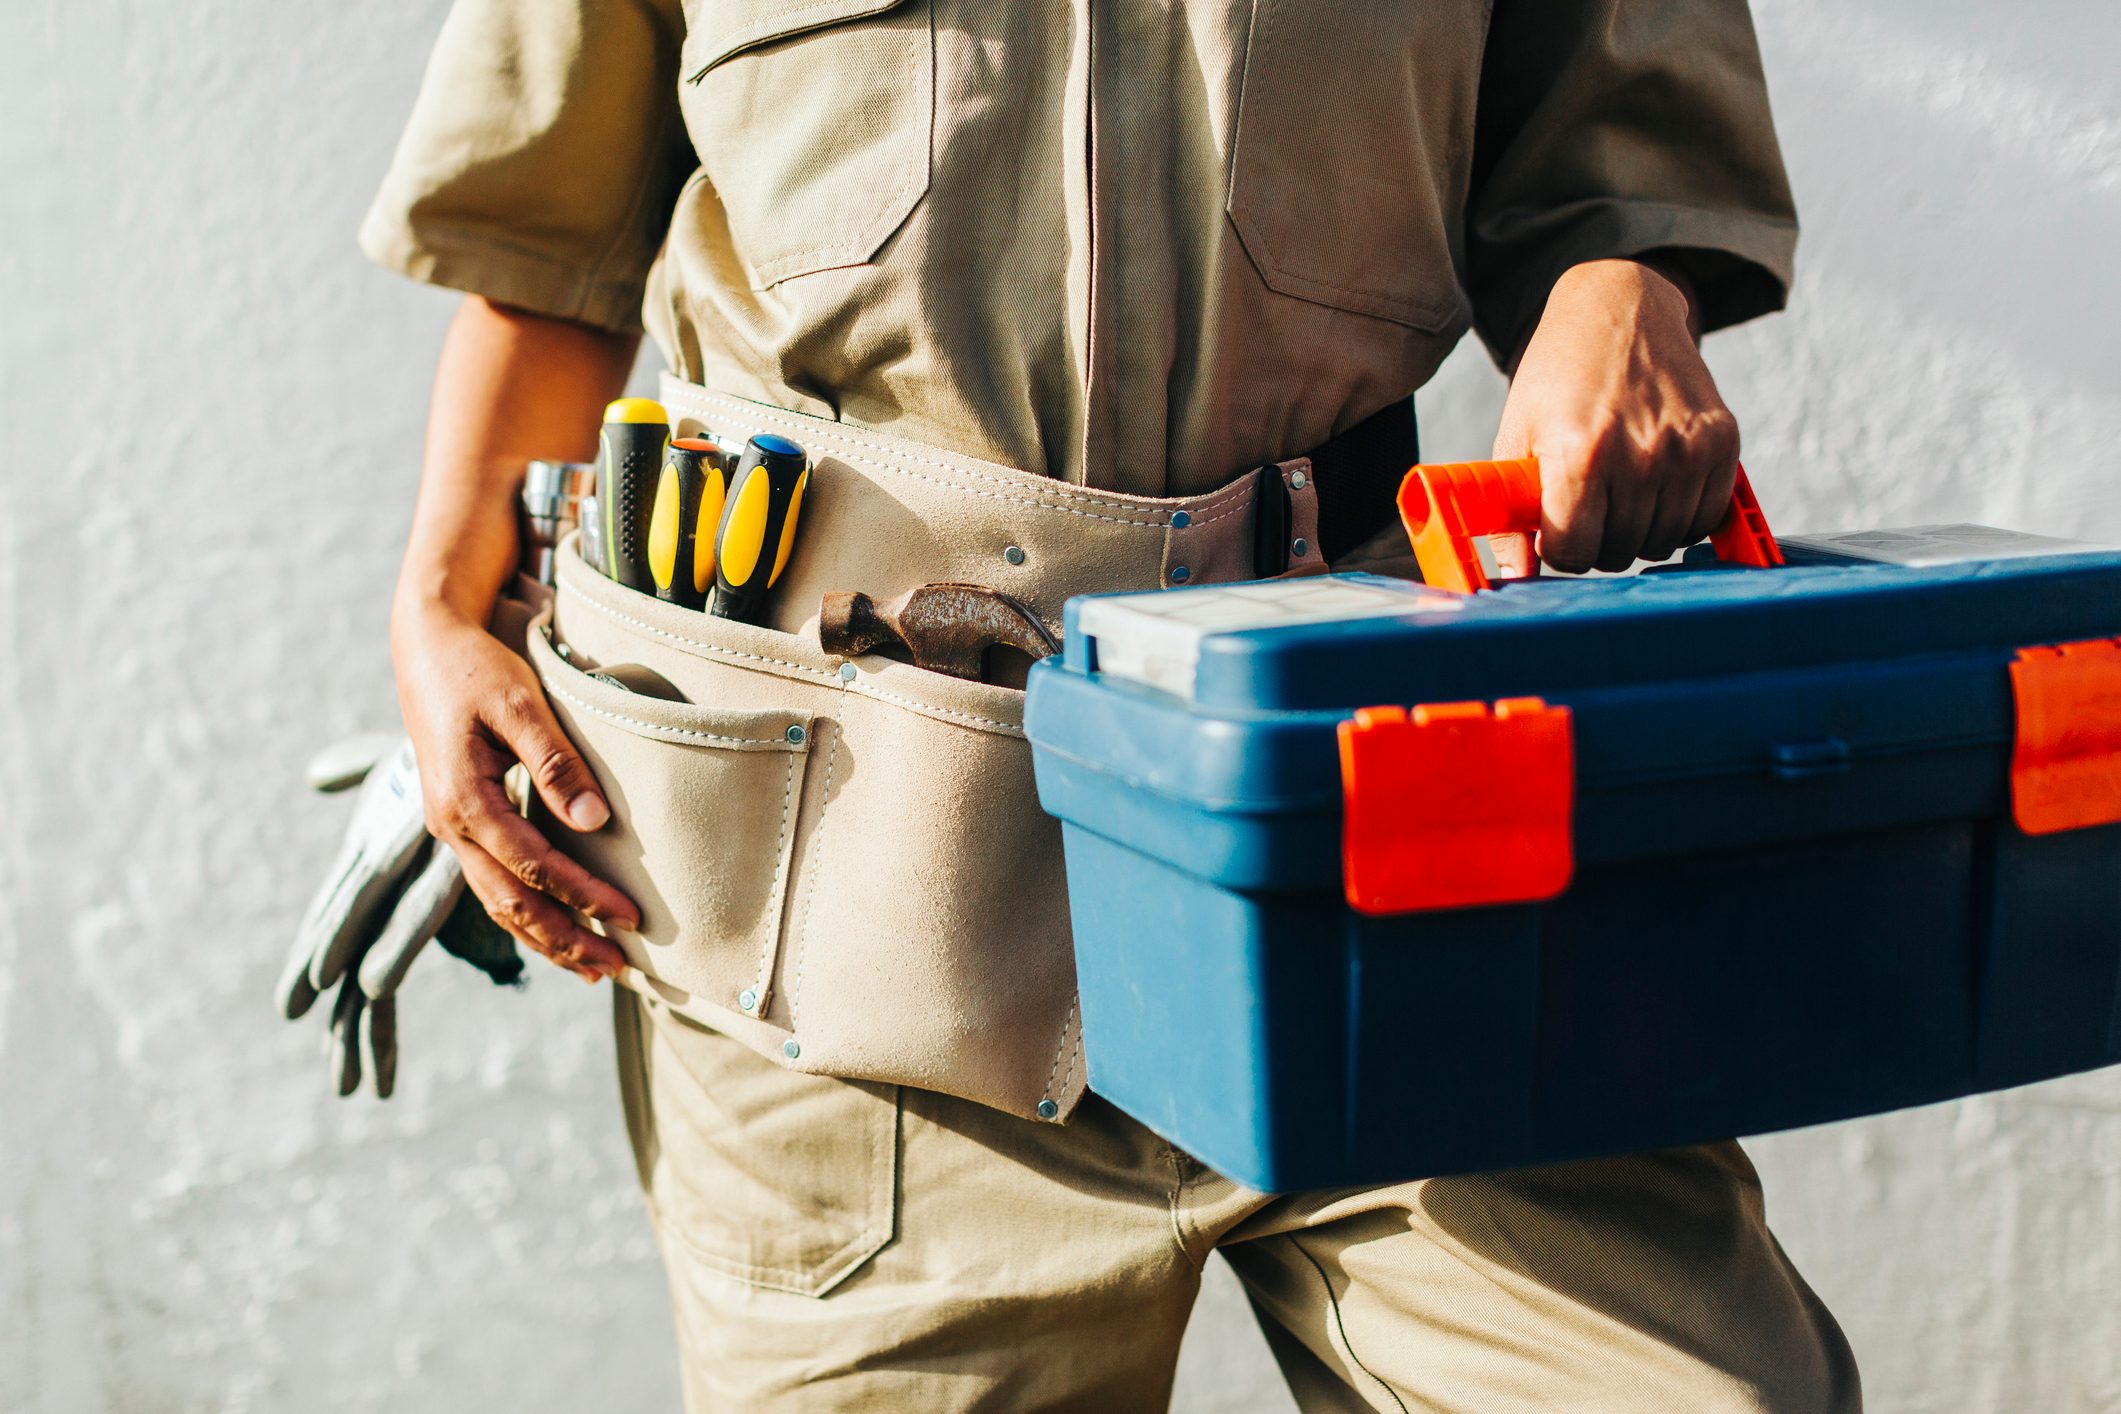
212	414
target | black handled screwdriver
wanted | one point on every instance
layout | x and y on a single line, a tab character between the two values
757	531
688	506
631	445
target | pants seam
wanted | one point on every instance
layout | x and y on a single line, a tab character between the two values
1178	1193
1340	1326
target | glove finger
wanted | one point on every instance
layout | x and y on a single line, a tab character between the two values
345	1040
379	1044
383	841
346	763
427	900
393	833
333	952
293	989
332	907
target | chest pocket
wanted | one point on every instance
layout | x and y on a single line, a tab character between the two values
1354	118
811	119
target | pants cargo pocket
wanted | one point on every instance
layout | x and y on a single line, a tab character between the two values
704	802
767	1176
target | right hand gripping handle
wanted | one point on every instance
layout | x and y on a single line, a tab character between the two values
1446	506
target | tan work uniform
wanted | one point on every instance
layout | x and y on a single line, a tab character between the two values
1140	246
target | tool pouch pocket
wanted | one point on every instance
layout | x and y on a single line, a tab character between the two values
710	880
842	864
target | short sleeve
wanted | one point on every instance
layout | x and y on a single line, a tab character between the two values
542	158
1613	128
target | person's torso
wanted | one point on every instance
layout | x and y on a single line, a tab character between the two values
1136	245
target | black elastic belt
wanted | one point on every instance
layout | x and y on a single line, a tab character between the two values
1356	476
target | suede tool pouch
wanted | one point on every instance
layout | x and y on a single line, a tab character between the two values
839	863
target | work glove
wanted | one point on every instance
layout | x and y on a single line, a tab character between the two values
391	888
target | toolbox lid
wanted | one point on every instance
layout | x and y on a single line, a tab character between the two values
1156	638
1286	646
1927	545
1707	704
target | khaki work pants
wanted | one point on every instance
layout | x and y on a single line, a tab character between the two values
844	1245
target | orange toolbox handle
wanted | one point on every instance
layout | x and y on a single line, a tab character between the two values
1445	506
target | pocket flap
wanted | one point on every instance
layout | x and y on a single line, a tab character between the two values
679	723
721	29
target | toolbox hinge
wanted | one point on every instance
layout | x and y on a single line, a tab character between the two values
2066	758
1456	804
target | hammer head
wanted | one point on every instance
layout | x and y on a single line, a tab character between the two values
945	628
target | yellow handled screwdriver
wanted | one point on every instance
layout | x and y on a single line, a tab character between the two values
757	532
688	506
631	445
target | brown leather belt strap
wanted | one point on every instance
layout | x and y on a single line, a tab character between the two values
1358	475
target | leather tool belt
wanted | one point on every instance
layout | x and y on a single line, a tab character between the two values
842	863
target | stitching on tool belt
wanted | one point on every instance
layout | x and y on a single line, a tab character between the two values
780	842
854	453
817	848
1004	728
593	710
696	647
1061	489
1224	514
1066	1047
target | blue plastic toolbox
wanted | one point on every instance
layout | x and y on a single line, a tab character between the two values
1738	850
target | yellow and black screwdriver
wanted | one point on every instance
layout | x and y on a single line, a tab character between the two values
757	533
635	433
688	507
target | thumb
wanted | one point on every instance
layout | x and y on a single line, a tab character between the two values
1513	555
562	779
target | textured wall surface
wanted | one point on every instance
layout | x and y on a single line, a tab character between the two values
213	411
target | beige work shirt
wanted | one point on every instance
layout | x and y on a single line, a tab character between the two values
1140	245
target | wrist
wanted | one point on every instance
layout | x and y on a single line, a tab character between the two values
1645	285
421	613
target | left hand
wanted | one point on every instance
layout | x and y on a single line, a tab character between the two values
1637	452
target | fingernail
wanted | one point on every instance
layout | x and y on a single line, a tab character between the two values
587	812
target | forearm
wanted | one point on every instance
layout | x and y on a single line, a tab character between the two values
510	387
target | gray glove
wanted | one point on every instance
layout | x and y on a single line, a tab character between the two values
391	888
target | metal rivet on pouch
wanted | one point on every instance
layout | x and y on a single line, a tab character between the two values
1180	574
1014	554
1180	520
796	735
1302	547
747	999
790	1049
1047	1109
1297	481
847	672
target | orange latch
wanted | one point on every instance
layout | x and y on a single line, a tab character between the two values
2066	764
1445	507
1456	804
